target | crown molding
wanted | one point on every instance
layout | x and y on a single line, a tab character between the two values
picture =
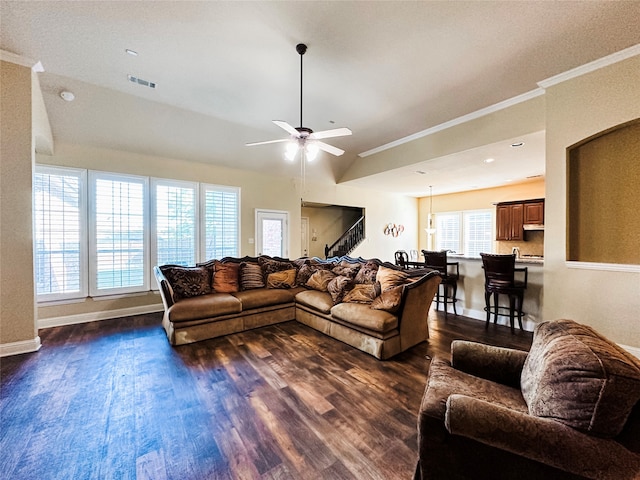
591	66
457	121
10	57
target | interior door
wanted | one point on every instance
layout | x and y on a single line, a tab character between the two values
272	233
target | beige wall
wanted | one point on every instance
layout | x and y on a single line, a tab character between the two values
577	109
257	191
17	309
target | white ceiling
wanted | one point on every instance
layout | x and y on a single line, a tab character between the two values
386	70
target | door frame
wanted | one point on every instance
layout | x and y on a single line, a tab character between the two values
263	213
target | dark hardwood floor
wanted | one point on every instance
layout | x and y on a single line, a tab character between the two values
113	400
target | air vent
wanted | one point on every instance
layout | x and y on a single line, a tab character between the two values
139	81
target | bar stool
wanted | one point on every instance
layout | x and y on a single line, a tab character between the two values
499	278
438	261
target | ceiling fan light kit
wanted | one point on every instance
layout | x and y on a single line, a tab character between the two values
304	139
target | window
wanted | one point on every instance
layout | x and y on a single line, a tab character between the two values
174	222
99	233
221	221
469	232
59	226
118	238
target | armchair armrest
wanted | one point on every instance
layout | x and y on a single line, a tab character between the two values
498	364
540	439
166	292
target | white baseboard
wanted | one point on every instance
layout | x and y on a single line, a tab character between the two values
16	348
527	323
95	316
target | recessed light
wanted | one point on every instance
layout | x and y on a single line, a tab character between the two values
131	52
517	144
489	160
67	96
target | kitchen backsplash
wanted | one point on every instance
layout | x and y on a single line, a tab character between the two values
532	245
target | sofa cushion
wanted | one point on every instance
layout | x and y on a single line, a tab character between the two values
362	293
577	377
264	297
315	299
346	269
187	282
389	300
363	316
225	277
389	278
250	276
320	280
204	306
282	279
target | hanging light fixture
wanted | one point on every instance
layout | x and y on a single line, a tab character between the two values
430	229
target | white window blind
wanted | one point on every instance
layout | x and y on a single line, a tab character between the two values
477	232
118	235
174	222
221	221
59	226
448	230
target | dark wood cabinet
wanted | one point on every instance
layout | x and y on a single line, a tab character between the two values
509	221
534	213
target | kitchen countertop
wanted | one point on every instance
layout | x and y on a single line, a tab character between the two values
528	260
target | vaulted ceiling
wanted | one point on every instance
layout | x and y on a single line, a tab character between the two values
225	70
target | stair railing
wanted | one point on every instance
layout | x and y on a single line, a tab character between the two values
348	241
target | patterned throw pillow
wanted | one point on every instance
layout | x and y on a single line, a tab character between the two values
270	266
388	300
320	280
389	278
225	277
304	273
282	279
188	281
338	287
367	273
250	276
362	293
346	269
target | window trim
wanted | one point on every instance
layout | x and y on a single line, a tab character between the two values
461	229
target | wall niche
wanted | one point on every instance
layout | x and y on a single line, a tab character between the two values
603	197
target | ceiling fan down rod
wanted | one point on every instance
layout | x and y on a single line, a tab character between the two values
301	48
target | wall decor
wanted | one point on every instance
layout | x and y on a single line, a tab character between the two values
393	229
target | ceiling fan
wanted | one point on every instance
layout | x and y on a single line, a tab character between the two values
303	138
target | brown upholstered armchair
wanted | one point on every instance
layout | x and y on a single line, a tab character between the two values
569	409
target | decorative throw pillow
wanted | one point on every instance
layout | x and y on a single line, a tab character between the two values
346	269
367	273
225	277
389	278
188	281
282	279
338	287
250	276
304	273
320	280
271	266
388	300
362	293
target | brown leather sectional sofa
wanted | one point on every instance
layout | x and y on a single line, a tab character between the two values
347	303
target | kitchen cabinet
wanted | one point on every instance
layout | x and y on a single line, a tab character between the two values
534	212
509	221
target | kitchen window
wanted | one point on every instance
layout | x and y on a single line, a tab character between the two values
467	232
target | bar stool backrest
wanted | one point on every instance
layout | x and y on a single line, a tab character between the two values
499	270
436	260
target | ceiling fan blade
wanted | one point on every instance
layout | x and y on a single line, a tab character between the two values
336	132
268	141
286	127
329	148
